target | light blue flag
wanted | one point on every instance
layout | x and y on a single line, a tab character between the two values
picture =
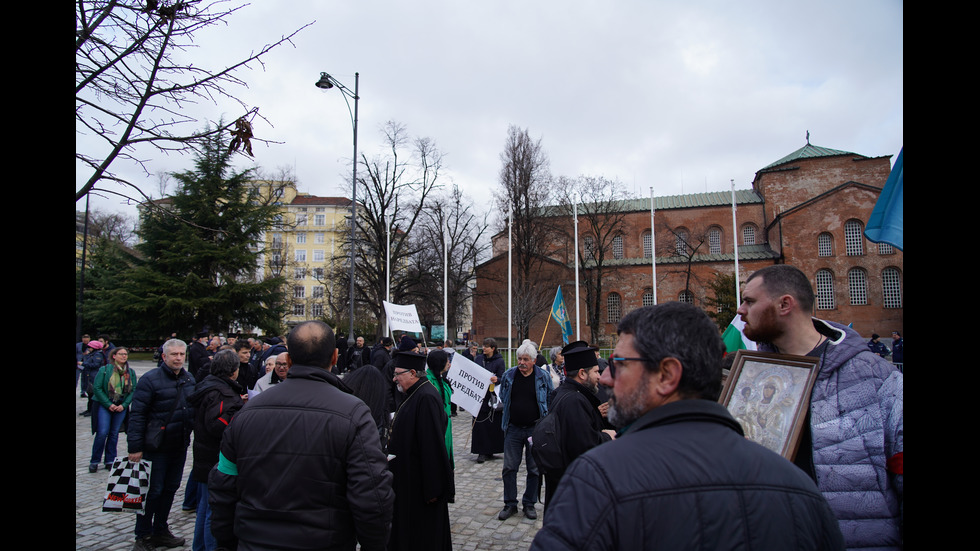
560	314
887	221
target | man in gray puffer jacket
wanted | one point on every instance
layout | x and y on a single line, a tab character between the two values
853	444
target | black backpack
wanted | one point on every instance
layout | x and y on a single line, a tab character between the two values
546	444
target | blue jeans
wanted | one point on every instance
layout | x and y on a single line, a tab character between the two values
515	444
190	494
203	539
167	470
108	424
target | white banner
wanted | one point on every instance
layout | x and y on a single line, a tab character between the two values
470	383
403	317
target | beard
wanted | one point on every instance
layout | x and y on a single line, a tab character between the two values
764	329
629	408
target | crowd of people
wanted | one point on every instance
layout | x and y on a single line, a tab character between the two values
300	442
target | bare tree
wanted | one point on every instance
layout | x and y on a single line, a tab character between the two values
684	243
132	90
524	190
599	204
394	189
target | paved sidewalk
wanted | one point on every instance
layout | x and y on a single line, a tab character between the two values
479	497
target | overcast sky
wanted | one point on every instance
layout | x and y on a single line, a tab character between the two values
683	96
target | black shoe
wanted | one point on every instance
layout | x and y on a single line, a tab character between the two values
86	413
529	512
143	544
481	458
167	539
93	468
507	512
108	466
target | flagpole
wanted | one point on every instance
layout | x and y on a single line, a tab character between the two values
445	281
653	248
577	317
738	287
510	248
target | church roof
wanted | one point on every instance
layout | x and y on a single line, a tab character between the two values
809	151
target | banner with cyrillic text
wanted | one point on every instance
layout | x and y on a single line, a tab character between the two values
470	383
403	317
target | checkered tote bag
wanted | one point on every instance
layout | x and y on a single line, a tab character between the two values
128	485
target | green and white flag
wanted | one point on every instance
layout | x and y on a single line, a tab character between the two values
734	338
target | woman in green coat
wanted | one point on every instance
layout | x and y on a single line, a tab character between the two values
112	394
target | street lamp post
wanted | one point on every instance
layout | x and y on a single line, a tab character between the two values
326	82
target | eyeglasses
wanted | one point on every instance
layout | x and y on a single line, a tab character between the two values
614	361
282	363
400	373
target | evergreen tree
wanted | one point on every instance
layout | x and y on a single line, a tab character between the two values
197	262
723	303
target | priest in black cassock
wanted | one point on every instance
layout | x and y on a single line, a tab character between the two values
419	461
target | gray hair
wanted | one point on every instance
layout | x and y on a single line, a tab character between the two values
173	343
527	348
555	351
225	363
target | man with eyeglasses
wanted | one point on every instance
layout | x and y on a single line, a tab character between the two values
419	461
680	474
276	376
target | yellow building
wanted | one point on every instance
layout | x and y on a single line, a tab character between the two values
302	247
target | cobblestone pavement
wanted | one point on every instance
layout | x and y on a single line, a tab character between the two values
479	497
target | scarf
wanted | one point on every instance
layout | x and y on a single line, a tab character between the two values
120	383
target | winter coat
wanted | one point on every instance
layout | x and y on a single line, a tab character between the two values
683	476
216	400
159	392
301	464
542	387
857	438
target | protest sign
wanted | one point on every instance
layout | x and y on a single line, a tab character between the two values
402	317
469	382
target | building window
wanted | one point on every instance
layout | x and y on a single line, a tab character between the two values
277	221
891	288
825	244
617	246
686	296
318	274
614	308
300	255
299	272
589	247
318	255
318	291
885	248
647	245
301	220
299	291
301	237
277	241
714	241
299	309
648	298
857	282
316	310
318	238
853	238
680	241
319	220
825	290
748	234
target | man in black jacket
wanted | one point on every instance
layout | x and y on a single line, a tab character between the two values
576	408
681	474
161	400
301	466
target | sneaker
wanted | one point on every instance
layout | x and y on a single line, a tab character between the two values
529	512
143	544
166	539
507	512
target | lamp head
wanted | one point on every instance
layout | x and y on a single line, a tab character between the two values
324	82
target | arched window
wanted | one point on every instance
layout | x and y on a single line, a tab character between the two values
647	245
857	284
748	234
853	238
891	288
825	244
680	241
885	248
825	290
714	240
614	308
617	246
648	297
589	247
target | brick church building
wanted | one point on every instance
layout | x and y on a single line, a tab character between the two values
807	209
